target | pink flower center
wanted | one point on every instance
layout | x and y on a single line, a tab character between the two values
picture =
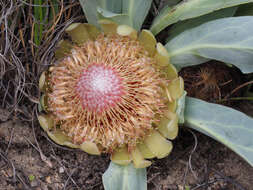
99	88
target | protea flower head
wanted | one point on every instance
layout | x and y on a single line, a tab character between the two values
111	91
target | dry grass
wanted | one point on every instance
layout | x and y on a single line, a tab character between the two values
26	45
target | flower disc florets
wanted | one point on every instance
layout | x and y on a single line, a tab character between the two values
107	92
99	88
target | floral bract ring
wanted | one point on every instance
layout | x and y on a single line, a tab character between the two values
111	91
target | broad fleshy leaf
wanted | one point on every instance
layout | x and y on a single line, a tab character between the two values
114	6
124	178
129	12
190	9
100	9
90	9
226	125
229	40
137	11
191	23
118	18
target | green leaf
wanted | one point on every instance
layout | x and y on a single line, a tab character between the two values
171	2
38	26
228	40
114	6
118	18
190	9
191	23
245	10
130	12
90	9
124	178
137	11
31	177
181	107
226	125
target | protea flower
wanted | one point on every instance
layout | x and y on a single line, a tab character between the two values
111	91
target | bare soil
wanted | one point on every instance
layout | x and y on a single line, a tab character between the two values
29	160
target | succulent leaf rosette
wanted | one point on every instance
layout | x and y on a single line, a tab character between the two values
111	90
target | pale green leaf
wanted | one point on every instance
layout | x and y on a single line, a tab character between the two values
90	9
181	107
191	23
129	12
116	17
137	11
226	125
114	6
229	40
127	177
190	9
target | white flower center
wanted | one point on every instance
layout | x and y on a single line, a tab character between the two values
99	88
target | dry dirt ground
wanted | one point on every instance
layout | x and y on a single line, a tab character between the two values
29	160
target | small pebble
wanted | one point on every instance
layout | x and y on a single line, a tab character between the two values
34	183
61	170
48	179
